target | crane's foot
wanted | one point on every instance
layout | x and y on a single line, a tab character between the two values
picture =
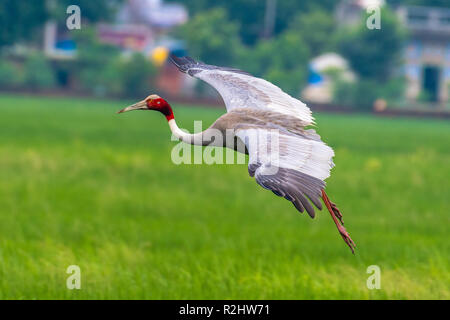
337	212
336	215
347	239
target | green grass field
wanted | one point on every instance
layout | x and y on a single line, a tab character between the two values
80	185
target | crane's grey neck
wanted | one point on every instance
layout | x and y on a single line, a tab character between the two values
195	139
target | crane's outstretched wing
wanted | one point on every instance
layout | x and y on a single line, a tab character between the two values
239	89
291	166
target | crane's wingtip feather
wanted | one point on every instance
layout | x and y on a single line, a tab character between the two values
175	60
183	63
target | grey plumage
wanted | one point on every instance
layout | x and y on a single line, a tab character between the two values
294	186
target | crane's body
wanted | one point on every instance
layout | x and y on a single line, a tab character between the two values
269	125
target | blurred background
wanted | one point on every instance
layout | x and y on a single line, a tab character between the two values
321	51
80	185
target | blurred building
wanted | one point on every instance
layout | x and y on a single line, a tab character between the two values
140	26
57	42
153	13
427	51
134	37
320	79
159	18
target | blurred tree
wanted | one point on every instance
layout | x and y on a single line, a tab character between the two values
250	14
211	36
433	3
91	51
38	72
373	54
364	92
130	77
93	58
282	60
19	20
288	10
102	70
11	75
317	29
289	61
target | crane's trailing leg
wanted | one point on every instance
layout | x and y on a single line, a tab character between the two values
337	217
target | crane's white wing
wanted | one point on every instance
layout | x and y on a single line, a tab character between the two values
292	166
241	90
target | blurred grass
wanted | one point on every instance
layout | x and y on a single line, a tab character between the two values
81	185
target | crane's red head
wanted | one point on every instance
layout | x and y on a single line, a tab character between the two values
152	102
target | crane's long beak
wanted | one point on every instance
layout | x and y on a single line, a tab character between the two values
141	105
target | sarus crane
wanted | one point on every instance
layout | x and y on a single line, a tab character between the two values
257	108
